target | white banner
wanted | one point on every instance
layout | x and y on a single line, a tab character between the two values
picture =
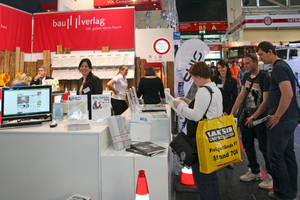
190	52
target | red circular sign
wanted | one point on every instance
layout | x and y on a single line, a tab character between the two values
161	46
268	21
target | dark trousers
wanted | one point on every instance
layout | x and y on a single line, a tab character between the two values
207	184
283	160
119	106
248	136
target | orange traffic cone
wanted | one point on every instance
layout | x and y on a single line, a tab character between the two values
186	177
142	192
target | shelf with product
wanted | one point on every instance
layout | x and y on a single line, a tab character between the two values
105	66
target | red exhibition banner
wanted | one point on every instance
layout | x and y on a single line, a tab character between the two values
85	30
15	29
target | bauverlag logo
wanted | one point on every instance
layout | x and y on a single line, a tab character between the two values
78	22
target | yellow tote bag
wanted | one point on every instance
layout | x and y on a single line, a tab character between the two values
218	143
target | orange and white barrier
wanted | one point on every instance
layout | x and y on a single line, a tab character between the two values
142	192
186	177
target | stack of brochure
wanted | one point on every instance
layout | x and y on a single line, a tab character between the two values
119	131
146	148
153	108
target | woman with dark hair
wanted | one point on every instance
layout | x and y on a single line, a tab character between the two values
119	86
227	84
150	87
88	84
207	104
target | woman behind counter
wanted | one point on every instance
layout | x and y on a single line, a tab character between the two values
119	86
88	84
194	111
150	86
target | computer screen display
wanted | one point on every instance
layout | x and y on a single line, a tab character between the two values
26	102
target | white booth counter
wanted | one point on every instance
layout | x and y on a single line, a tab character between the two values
120	168
39	162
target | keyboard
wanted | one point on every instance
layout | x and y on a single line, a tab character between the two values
30	123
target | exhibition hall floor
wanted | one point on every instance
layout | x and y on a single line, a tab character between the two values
231	188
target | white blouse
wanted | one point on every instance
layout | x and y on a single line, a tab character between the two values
202	99
120	85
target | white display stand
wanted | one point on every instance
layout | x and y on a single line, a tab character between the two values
51	163
120	168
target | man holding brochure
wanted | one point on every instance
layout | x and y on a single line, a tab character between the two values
254	96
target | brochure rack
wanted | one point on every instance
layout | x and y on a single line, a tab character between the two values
105	65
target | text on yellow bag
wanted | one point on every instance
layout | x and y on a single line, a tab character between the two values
217	143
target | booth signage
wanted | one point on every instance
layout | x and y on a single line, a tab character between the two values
215	47
162	46
203	26
186	26
176	35
261	21
140	5
86	30
15	29
190	52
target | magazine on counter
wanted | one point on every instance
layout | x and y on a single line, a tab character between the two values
132	150
101	107
148	148
119	131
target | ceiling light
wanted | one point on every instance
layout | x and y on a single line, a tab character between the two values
163	14
148	14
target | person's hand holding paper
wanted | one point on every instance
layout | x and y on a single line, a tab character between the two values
171	100
176	103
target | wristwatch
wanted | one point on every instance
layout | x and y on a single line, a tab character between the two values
253	119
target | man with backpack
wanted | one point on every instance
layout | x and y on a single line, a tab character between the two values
282	123
252	100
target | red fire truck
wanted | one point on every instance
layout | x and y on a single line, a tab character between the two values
236	53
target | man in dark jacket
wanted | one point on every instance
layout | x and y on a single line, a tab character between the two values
41	76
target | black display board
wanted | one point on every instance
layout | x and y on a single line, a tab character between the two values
201	10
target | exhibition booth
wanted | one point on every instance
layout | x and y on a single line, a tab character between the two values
39	162
43	162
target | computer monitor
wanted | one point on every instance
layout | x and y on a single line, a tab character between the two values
30	102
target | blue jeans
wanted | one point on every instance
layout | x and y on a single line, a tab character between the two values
248	136
207	184
283	160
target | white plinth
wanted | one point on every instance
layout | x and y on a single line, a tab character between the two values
51	163
120	173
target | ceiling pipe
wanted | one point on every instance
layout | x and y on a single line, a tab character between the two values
278	4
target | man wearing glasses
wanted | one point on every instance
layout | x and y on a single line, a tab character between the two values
282	123
254	96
